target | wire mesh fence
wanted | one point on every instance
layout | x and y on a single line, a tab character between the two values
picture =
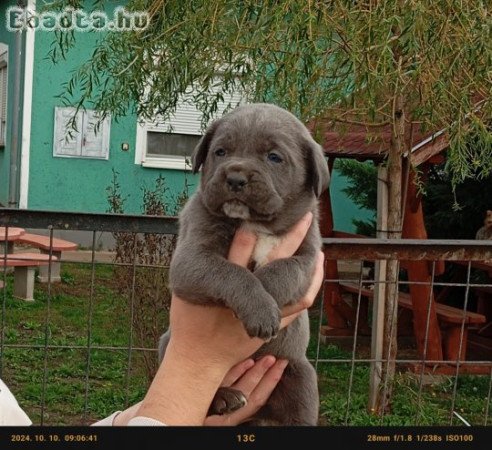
85	344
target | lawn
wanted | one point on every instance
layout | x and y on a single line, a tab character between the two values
344	393
70	396
68	385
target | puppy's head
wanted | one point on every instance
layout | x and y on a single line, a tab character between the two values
257	161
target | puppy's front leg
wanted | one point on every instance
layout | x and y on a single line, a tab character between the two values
209	277
287	279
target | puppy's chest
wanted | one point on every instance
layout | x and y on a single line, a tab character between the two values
264	244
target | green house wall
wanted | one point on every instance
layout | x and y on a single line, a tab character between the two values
77	184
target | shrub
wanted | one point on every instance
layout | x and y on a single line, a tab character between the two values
143	267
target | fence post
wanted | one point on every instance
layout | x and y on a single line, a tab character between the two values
379	293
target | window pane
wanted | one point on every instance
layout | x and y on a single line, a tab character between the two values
170	144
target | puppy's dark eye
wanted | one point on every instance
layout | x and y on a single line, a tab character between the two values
274	157
220	152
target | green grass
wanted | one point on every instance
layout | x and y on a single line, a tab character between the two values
109	385
59	378
431	406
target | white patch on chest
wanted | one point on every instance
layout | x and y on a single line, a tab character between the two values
265	243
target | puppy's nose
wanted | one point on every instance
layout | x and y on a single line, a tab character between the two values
236	181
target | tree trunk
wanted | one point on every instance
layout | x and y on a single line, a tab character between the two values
426	327
378	312
390	347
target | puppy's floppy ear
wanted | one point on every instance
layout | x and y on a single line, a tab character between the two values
317	167
201	150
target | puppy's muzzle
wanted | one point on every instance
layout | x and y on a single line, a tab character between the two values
236	181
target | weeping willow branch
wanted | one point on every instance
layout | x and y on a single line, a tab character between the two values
329	59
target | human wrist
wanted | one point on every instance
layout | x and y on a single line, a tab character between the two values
206	352
182	389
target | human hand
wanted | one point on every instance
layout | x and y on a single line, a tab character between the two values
256	380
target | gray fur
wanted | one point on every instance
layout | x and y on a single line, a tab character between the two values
244	187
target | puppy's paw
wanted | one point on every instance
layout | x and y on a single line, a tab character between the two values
227	400
262	321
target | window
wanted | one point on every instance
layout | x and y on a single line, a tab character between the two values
176	144
169	144
3	92
86	140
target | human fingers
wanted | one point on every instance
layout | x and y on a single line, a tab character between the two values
237	371
246	384
257	384
290	312
259	395
292	240
252	377
242	247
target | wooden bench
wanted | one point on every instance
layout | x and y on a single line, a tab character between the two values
24	265
43	244
451	319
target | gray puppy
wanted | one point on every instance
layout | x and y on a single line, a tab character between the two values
260	169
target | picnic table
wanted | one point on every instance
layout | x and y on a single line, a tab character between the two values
24	263
8	236
440	330
483	293
10	233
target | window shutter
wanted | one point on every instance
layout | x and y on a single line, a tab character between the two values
4	58
84	142
95	141
187	118
67	142
3	103
3	92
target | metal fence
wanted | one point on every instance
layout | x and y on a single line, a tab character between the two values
74	355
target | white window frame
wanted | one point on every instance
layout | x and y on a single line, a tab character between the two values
186	120
4	58
85	119
160	162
